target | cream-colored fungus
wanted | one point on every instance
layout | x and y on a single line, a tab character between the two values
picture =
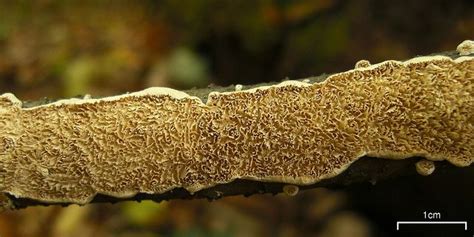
465	48
425	167
291	190
294	132
362	63
238	87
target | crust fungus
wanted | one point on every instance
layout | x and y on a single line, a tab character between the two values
425	167
465	48
238	87
5	203
291	190
294	132
362	64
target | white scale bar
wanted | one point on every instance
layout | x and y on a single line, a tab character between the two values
432	223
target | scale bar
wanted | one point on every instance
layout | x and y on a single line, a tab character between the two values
433	223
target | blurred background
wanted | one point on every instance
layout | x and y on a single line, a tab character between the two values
53	48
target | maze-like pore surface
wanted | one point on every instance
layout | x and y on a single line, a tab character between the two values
294	132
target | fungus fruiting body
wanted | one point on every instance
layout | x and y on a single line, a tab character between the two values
291	190
425	167
465	48
362	63
238	87
293	132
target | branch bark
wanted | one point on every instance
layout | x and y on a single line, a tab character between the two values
47	155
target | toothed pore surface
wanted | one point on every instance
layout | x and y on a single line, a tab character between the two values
297	134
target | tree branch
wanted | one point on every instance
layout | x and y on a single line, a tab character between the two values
161	144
